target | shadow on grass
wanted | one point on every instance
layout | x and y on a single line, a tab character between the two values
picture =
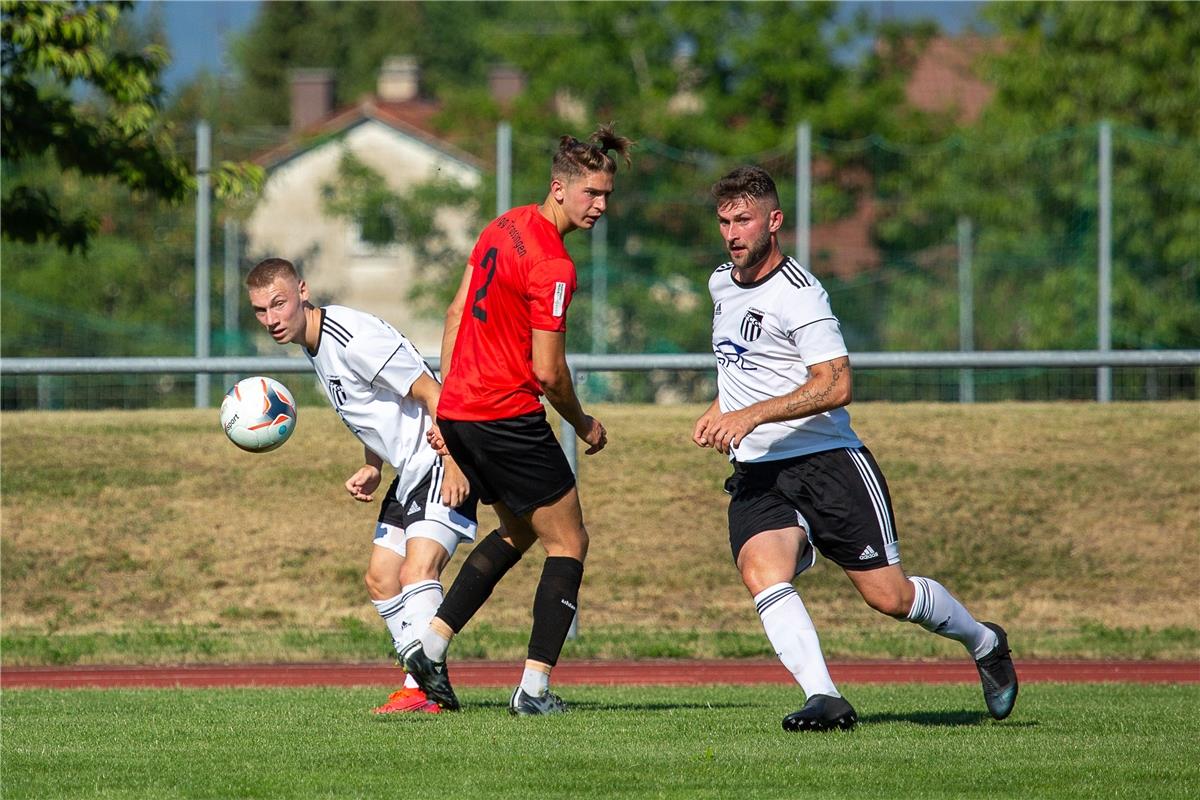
590	705
947	719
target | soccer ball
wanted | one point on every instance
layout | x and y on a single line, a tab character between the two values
258	414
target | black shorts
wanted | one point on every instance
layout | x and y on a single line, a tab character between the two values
838	496
516	461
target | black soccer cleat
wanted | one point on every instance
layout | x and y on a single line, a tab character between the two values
523	704
998	676
822	712
431	676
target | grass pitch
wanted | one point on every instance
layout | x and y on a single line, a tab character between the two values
1063	741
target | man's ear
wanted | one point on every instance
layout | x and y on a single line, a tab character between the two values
775	220
558	189
303	287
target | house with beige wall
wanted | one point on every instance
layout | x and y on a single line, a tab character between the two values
388	132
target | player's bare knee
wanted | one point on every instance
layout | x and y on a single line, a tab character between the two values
417	570
380	587
887	601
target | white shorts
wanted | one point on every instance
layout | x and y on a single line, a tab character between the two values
422	514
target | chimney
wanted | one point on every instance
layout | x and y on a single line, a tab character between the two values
312	96
505	82
399	79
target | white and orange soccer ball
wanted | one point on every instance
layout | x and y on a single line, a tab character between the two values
258	414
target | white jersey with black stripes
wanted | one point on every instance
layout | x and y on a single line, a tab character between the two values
766	334
367	368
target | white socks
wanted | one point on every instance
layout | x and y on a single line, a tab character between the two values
535	680
392	611
420	602
936	610
790	629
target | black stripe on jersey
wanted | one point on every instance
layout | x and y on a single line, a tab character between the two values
728	265
813	322
386	361
336	330
792	272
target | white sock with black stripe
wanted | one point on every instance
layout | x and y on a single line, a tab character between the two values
791	631
392	611
936	610
421	601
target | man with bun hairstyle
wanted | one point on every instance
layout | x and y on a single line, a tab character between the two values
504	346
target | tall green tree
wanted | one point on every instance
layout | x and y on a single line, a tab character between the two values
54	54
1027	175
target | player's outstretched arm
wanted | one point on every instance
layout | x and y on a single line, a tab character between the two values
551	371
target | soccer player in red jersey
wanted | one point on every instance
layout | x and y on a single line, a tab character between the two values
504	346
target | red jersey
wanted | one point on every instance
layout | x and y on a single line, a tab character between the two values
521	279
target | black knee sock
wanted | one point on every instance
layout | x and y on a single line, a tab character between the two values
482	570
554	607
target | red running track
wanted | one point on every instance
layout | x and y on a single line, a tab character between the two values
600	673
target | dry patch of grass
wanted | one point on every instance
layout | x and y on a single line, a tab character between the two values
1049	517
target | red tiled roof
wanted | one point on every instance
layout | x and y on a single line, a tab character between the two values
412	117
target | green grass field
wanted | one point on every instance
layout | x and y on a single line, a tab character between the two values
145	537
1063	741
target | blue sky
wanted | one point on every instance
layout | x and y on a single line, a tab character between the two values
197	30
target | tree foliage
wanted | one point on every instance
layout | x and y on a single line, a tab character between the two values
1027	175
52	53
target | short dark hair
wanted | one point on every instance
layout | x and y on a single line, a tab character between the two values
575	158
266	271
746	183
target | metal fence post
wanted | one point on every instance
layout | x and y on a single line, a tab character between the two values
1104	279
203	281
966	310
803	193
232	289
503	167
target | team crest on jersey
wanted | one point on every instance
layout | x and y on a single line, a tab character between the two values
337	392
752	324
731	354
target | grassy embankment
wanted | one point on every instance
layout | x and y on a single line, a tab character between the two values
143	537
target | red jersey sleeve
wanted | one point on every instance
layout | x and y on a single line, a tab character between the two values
551	287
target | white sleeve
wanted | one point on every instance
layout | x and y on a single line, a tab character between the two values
814	329
386	359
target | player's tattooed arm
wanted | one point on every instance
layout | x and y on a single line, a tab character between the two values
828	387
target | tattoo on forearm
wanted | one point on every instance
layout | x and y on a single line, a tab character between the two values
810	400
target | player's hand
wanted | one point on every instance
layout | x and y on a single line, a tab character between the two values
593	433
727	430
362	484
455	487
434	437
700	431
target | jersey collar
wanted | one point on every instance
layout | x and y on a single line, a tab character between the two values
775	269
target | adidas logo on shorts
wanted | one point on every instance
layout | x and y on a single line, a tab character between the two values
868	553
414	507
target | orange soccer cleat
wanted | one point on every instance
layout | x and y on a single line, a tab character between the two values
407	700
